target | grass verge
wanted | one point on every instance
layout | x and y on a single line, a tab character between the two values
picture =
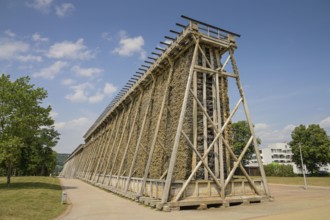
311	181
30	198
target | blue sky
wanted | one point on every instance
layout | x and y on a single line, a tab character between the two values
83	52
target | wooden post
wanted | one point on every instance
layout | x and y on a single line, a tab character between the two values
194	121
93	150
97	153
112	146
206	176
119	144
100	155
152	147
178	131
247	114
107	144
137	146
129	137
219	123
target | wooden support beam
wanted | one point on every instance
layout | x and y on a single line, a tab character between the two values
161	49
167	44
146	61
248	117
236	164
152	58
119	144
194	157
138	144
117	129
102	167
100	154
170	38
215	179
167	186
205	155
181	25
175	32
129	136
205	136
158	54
232	154
153	143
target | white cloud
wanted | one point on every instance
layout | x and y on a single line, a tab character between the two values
98	97
72	132
72	124
29	58
80	92
9	33
64	9
11	49
129	46
88	72
68	82
37	38
51	71
260	127
86	92
269	135
41	5
109	89
71	50
106	36
325	123
53	114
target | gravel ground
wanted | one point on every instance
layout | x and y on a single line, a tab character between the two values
291	202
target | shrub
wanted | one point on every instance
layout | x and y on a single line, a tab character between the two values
275	169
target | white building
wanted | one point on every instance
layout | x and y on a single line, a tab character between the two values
279	153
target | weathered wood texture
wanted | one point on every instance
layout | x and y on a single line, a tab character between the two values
172	128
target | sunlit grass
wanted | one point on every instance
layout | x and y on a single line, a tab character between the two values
30	198
311	181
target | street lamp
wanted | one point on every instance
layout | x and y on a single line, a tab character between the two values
302	167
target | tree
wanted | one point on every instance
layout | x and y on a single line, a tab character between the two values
315	147
241	135
26	128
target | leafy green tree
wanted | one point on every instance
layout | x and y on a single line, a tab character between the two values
241	135
315	147
26	128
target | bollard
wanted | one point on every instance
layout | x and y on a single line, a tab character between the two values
64	198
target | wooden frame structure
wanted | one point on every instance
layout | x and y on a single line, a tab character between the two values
165	140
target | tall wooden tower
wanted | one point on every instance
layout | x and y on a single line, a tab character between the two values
166	138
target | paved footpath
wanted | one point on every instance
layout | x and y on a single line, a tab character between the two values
291	202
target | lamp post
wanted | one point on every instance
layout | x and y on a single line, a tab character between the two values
302	167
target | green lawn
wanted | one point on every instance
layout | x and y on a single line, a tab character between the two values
311	181
30	198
